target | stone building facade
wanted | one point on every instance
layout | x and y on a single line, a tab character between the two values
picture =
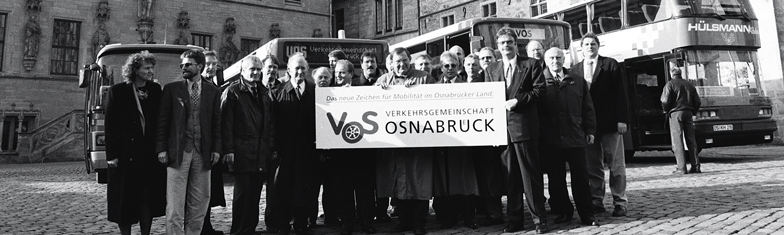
44	43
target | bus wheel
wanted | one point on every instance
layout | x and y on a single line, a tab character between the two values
628	155
100	176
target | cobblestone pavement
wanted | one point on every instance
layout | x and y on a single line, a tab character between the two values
741	192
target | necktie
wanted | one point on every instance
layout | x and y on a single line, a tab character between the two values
255	91
299	91
558	78
588	72
447	80
509	75
195	94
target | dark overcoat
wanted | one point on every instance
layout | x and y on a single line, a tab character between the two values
248	127
139	176
295	138
567	112
527	87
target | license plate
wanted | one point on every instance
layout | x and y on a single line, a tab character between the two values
727	127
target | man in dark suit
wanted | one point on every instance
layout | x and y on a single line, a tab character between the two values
216	173
524	86
294	185
567	113
188	140
606	81
248	142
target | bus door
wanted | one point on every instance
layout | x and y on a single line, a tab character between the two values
646	77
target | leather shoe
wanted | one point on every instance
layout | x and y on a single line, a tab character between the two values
303	231
513	227
599	209
541	228
490	222
619	211
471	225
420	231
384	218
591	222
695	169
369	229
563	218
402	228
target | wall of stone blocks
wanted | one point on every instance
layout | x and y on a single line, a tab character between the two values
55	95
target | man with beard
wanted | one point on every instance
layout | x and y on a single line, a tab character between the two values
370	69
247	141
189	142
216	174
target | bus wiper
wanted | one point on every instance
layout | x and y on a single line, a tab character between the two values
714	14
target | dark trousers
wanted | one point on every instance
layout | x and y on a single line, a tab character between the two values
329	200
245	208
491	179
556	173
382	205
354	182
682	128
207	227
525	173
450	208
413	212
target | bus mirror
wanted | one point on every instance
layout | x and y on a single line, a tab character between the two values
84	76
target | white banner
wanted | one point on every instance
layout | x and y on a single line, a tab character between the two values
459	114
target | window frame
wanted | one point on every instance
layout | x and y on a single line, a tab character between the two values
207	36
57	26
380	16
242	45
447	20
538	5
487	6
3	29
398	15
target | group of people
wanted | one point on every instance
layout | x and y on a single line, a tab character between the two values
262	128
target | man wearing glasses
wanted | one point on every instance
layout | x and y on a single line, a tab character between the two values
524	86
188	142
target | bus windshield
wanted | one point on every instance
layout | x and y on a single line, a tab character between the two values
550	35
167	68
715	7
723	73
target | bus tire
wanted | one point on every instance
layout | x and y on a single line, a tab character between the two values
101	177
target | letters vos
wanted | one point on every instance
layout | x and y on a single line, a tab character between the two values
352	132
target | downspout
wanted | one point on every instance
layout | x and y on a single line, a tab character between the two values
419	20
330	19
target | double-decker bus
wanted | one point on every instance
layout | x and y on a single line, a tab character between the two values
714	43
97	77
476	33
315	50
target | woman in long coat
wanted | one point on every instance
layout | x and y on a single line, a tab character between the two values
137	181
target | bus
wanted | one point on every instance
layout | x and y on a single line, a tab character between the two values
476	33
97	77
713	42
315	50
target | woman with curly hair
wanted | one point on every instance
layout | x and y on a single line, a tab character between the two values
137	181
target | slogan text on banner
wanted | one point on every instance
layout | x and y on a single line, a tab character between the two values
466	114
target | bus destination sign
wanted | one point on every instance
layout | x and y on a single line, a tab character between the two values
529	34
318	52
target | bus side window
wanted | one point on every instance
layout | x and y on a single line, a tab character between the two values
577	18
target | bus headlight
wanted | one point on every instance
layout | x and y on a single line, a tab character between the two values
707	114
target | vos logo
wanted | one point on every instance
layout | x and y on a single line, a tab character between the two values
353	132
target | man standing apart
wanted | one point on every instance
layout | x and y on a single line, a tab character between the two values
294	188
567	113
189	142
216	173
681	101
246	111
524	86
606	82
